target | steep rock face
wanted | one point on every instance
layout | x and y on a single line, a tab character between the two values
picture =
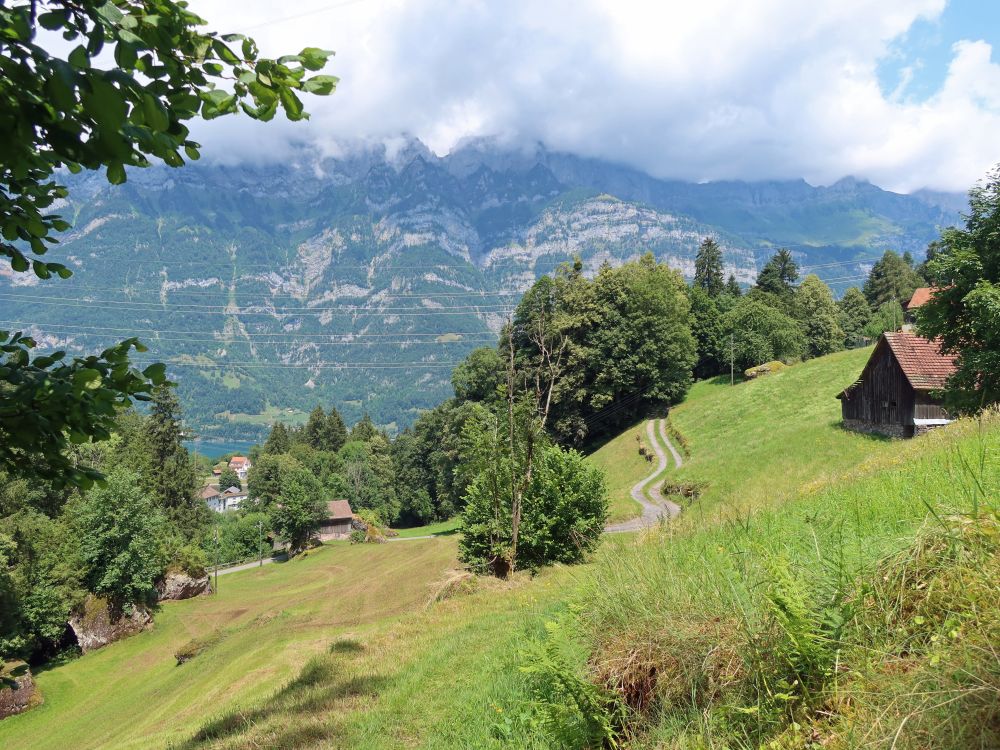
176	586
96	624
361	280
18	691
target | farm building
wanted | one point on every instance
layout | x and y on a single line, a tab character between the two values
896	393
337	524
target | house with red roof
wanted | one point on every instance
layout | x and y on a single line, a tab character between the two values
241	465
899	391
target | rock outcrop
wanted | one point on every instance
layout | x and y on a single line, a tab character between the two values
182	586
17	689
98	623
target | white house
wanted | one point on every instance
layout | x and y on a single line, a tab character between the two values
241	465
229	499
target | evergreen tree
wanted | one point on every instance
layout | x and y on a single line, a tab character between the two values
891	279
733	287
779	274
708	268
364	431
278	441
334	431
314	433
818	313
170	476
853	315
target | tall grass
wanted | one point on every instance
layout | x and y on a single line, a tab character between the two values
757	628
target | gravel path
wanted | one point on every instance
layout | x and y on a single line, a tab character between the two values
652	512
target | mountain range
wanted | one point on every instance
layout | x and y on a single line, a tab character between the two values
360	280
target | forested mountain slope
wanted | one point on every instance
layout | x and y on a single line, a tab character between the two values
361	280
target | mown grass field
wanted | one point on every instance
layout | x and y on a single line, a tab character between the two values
132	694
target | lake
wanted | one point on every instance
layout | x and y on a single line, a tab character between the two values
214	449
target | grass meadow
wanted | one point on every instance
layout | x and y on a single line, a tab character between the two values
826	590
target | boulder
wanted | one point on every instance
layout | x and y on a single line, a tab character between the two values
182	586
765	369
97	623
17	689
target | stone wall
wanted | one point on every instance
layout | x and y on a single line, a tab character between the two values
869	428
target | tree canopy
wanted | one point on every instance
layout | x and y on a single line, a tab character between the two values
708	268
891	279
68	111
964	311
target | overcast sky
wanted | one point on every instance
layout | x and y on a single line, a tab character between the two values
905	93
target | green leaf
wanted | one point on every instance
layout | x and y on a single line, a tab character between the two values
110	13
192	152
125	55
291	103
156	373
314	58
320	85
116	173
41	270
87	379
54	19
154	113
224	53
79	58
19	263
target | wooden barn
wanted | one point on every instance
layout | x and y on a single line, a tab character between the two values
337	524
896	392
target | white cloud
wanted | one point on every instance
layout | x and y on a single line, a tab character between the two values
706	90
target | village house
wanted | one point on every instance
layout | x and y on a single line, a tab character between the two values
897	393
223	500
337	524
241	465
920	297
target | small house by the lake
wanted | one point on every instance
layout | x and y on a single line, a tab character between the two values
897	393
337	524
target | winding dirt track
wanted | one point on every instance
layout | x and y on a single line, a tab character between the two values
660	508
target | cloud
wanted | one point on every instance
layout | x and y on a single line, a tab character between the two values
697	91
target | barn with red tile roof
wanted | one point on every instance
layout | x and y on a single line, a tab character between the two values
898	392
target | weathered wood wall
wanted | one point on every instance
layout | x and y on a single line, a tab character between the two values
884	396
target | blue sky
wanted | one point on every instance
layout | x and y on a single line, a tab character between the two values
918	61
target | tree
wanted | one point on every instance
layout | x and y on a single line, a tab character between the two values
708	268
564	510
368	471
479	376
278	441
314	432
779	274
365	430
733	287
69	112
761	333
853	315
964	311
170	475
888	317
335	431
229	478
706	325
891	279
818	313
266	479
299	508
119	529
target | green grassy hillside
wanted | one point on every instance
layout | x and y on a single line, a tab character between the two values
850	603
272	620
762	440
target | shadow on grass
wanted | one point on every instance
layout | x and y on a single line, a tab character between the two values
298	714
873	437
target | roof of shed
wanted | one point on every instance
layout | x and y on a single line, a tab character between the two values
921	359
338	509
921	296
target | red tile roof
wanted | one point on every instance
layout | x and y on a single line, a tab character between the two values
921	296
921	359
338	509
236	461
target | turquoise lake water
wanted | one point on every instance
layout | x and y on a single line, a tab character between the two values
215	449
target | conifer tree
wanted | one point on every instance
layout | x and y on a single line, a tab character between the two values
171	478
365	430
708	268
733	287
892	279
853	315
313	432
334	431
278	441
779	274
